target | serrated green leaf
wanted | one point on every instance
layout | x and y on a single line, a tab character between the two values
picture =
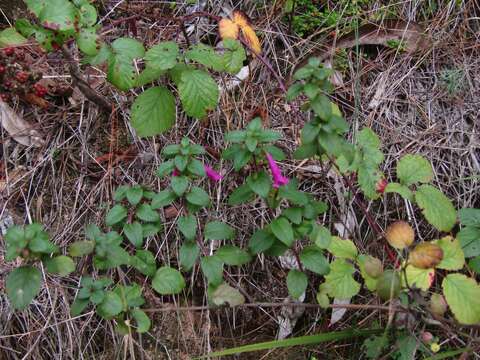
188	255
297	283
283	231
412	169
321	236
417	278
81	248
162	56
134	233
148	75
78	306
313	259
402	190
58	15
470	240
87	41
22	285
153	111
142	321
144	261
453	257
370	282
10	37
232	255
198	196
469	217
206	55
110	306
168	281
340	281
61	265
198	93
240	195
261	241
121	73
369	142
35	6
115	215
436	207
343	248
260	183
146	213
163	198
196	167
234	55
368	179
134	195
217	230
188	226
179	184
294	214
127	48
212	268
463	296
88	14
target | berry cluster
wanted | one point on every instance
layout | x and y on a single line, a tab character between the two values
15	77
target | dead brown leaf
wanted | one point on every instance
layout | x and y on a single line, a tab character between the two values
18	128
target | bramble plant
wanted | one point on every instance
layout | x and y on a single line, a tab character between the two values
154	111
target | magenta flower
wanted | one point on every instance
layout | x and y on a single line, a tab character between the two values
212	174
278	178
175	172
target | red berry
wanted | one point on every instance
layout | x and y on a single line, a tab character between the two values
5	97
7	84
22	76
40	90
9	51
381	185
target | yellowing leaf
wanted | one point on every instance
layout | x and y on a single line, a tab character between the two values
251	39
419	278
453	257
240	19
228	29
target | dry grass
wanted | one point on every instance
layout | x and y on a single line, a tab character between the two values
64	187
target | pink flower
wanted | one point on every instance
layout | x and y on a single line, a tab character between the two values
278	178
212	174
175	172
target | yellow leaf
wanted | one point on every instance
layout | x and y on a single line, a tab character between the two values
240	19
228	29
251	39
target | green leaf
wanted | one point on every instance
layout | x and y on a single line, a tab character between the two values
453	257
224	293
369	143
144	261
162	56
342	248
188	255
35	6
321	236
78	306
121	73
240	195
120	193
115	215
297	283
470	240
168	281
153	111
150	229
234	55
87	41
340	281
127	48
134	233
181	162
313	259
260	183
305	151
402	190
58	15
198	196
412	169
290	193
294	214
474	264
212	268
142	321
232	255
196	167
134	195
110	306
469	217
10	37
148	75
217	230
463	296
436	207
368	178
206	55
282	229
102	56
251	144
146	213
16	241
322	106
188	226
260	241
22	285
61	265
92	231
88	14
81	248
370	282
417	278
198	93
163	198
179	184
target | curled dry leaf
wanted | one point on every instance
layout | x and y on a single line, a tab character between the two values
18	128
230	29
426	255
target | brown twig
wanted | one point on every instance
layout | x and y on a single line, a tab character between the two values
82	85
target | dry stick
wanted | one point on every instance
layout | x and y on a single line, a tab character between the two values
275	305
82	85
